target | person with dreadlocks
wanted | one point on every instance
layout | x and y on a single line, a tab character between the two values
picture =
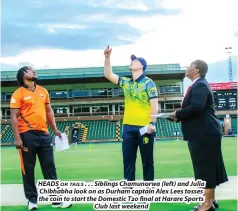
30	111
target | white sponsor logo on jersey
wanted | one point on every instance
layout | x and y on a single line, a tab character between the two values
13	100
27	98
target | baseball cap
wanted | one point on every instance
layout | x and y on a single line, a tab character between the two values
142	61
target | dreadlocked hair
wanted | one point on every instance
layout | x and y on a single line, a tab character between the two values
20	76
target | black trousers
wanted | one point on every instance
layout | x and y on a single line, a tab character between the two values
131	140
40	144
207	160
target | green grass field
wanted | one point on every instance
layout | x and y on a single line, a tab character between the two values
104	161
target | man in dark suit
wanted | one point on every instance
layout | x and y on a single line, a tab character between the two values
202	130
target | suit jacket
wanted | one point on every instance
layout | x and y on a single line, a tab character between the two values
197	115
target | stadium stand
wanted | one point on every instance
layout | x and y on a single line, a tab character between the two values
103	130
6	134
82	98
166	129
234	125
106	129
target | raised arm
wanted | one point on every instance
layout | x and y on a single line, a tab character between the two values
108	68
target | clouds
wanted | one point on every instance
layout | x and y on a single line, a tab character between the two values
123	4
71	24
74	33
69	37
201	30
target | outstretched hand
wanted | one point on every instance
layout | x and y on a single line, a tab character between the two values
107	52
172	117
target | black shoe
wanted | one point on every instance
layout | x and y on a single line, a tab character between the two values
215	203
212	208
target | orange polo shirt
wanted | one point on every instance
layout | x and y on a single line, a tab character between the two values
32	108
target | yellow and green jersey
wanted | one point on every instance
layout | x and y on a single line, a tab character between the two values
137	99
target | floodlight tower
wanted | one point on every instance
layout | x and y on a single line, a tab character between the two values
229	51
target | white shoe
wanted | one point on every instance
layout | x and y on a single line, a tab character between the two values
32	206
62	205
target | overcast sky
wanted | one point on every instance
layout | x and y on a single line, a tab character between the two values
74	33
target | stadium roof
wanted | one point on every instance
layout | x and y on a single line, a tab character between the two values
94	72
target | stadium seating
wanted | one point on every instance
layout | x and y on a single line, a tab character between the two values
103	130
164	128
8	137
3	130
61	127
234	125
100	130
6	134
